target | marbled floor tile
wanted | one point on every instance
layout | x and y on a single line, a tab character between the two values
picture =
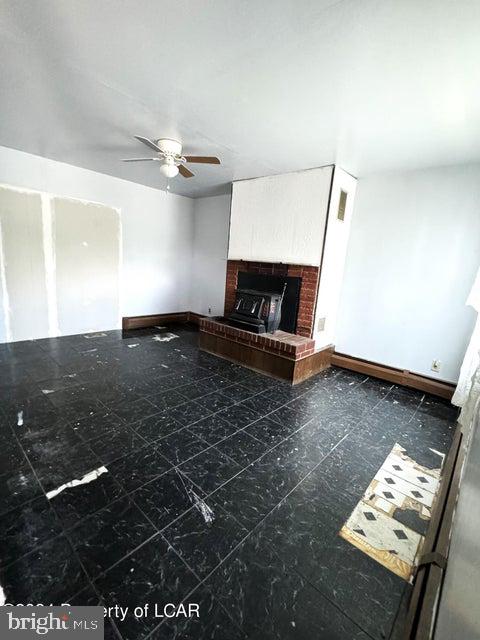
59	466
157	426
50	574
289	418
426	431
41	442
369	393
147	385
95	426
300	453
256	589
217	383
257	382
166	399
354	462
204	536
135	410
239	415
17	487
139	467
11	455
173	381
180	446
315	403
404	402
87	597
119	442
237	392
329	430
243	448
345	571
284	394
104	538
212	429
152	574
19	392
269	431
215	401
283	468
24	528
74	504
438	408
70	394
249	496
210	469
196	374
195	390
312	616
189	412
33	407
213	622
345	377
261	404
302	526
166	498
81	409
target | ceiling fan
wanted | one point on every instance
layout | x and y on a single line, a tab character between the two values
169	154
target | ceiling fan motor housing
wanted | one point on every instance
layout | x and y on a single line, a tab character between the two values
170	147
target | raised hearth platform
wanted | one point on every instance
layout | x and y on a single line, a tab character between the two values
282	355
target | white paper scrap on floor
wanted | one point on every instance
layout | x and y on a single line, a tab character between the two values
88	477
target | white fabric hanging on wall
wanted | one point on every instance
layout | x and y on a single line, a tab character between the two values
468	387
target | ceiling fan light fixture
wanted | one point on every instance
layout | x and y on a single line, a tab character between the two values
169	170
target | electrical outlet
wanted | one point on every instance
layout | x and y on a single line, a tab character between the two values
436	364
321	324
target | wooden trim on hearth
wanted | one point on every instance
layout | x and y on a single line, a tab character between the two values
391	374
274	365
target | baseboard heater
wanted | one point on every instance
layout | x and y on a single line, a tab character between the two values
397	376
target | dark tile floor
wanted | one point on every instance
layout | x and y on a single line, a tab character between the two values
223	487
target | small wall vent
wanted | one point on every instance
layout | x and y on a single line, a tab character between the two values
342	204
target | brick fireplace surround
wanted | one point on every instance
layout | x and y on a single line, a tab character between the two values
308	290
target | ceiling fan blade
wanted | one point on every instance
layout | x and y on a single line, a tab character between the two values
203	159
186	173
149	143
137	159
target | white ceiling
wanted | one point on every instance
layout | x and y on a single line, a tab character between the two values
267	85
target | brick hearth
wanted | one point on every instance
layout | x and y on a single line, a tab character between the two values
308	290
285	344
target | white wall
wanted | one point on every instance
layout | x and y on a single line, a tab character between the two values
413	253
157	227
333	260
280	218
210	246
